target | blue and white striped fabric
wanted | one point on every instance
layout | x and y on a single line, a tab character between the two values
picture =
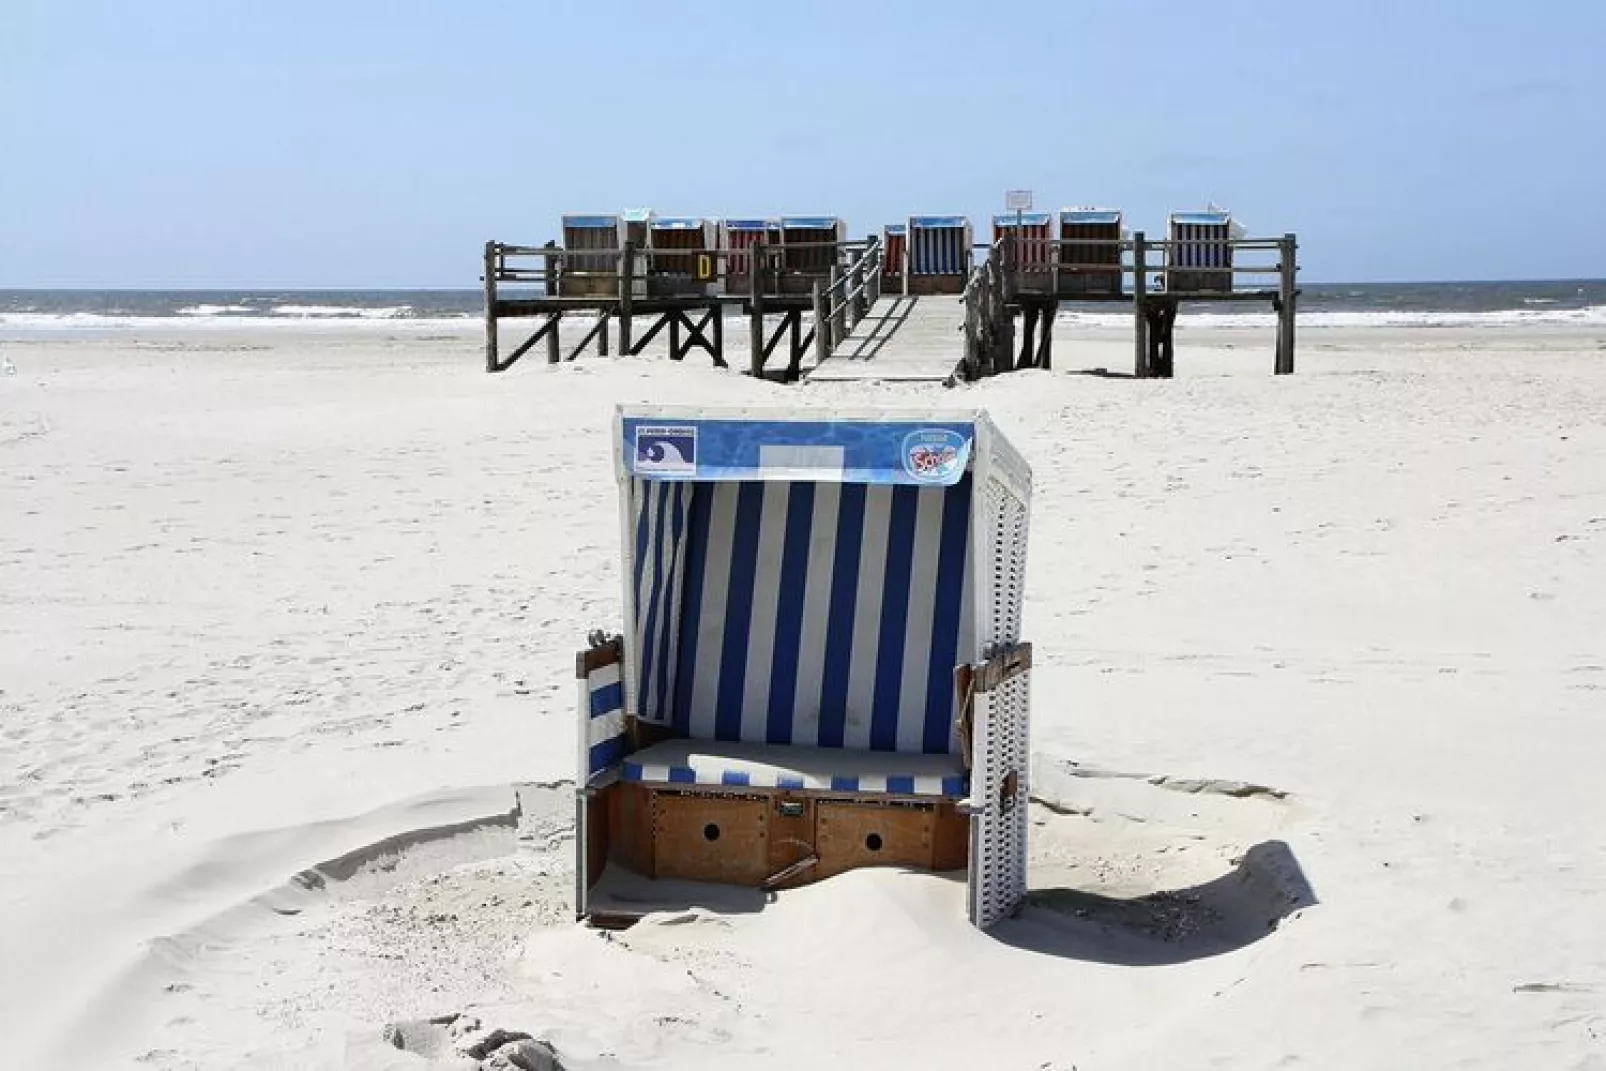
812	614
689	762
603	697
939	245
1199	235
660	510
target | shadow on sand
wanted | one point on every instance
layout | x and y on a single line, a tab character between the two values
1101	373
1242	906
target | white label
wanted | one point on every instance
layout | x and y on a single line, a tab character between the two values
1018	200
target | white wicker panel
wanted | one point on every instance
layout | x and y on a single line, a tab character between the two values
998	875
1002	715
1006	518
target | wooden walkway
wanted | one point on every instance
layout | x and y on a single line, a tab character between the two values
900	338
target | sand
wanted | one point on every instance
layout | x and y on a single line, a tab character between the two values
287	621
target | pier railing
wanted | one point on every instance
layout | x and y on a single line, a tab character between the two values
842	302
988	327
550	268
1038	275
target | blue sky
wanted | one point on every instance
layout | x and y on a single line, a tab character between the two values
235	143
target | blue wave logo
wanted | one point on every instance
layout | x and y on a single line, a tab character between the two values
666	449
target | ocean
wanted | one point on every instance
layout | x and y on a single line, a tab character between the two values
1425	305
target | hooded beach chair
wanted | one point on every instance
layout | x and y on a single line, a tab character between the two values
821	665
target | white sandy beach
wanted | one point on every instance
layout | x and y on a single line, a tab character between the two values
287	624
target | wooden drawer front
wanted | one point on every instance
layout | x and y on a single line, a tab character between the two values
711	838
850	835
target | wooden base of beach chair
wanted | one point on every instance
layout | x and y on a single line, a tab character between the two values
769	838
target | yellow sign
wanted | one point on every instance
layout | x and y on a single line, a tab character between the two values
705	266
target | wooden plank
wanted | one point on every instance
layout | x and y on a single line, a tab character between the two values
652	333
594	658
490	308
791	838
757	352
600	327
706	837
1140	287
553	352
546	330
950	838
822	328
627	297
630	827
851	835
900	338
1287	299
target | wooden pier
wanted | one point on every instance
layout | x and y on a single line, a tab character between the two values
1037	294
816	310
782	304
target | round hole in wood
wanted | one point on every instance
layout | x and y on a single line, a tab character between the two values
711	831
873	842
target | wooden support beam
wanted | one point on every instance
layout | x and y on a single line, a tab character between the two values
1140	287
599	328
698	334
491	259
756	350
1287	299
1028	331
838	306
553	353
780	331
652	333
822	327
627	290
1045	349
794	366
546	330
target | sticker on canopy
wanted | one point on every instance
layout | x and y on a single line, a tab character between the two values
935	455
666	448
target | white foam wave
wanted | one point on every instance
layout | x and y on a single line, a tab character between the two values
1592	315
214	310
344	312
50	323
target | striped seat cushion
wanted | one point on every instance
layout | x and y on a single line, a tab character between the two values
705	762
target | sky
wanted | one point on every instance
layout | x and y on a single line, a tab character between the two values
380	143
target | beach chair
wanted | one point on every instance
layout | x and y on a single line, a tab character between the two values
821	665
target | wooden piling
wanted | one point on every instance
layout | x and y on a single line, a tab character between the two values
491	357
1045	348
627	289
822	327
1140	324
755	310
837	306
1287	297
554	351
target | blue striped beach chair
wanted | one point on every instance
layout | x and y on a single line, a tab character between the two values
821	665
939	254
